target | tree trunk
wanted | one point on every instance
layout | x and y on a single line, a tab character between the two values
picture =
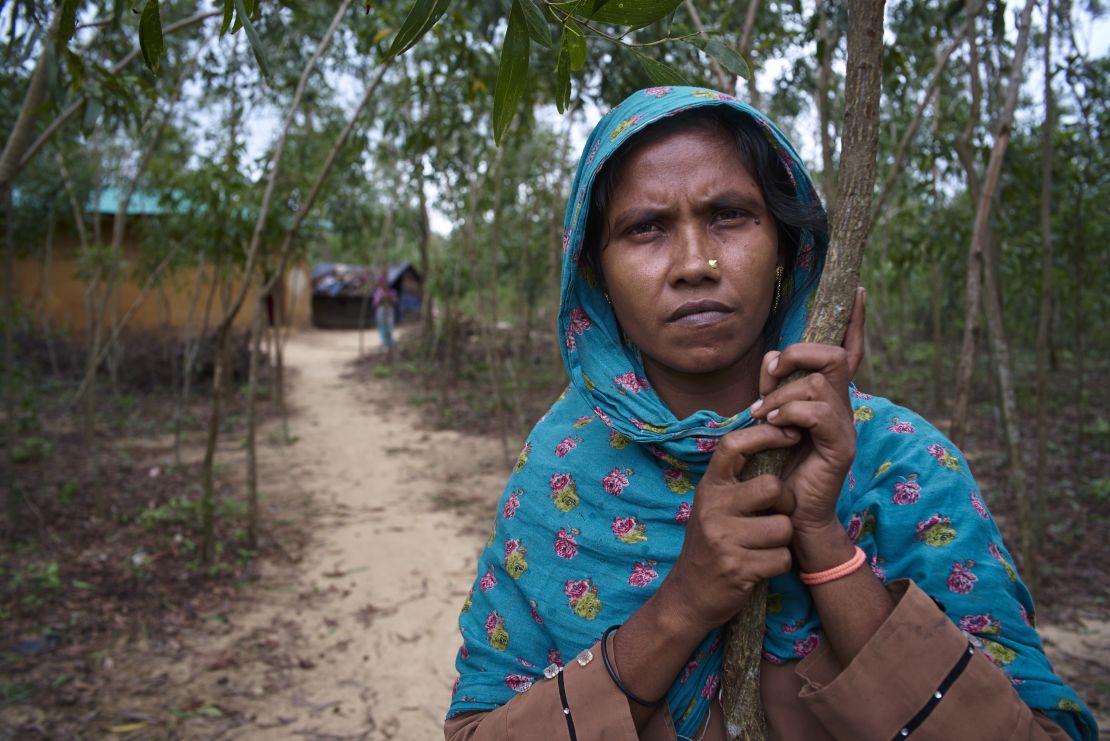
1040	492
44	293
828	320
208	476
234	305
965	370
424	242
826	43
1000	353
744	47
12	432
257	328
187	353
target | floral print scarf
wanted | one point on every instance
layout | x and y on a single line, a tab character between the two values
593	515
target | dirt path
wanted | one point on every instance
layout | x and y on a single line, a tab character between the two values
361	642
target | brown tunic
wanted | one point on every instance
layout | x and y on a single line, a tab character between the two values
889	682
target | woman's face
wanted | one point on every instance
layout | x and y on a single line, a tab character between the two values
680	202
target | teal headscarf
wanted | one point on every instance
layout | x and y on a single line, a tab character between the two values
593	516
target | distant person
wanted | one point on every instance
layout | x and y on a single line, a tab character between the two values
385	308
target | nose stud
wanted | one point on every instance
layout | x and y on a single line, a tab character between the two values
712	264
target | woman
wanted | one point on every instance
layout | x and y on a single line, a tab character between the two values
693	242
385	310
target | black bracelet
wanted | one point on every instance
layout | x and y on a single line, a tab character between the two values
566	709
613	673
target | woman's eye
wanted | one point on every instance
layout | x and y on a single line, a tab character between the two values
729	214
647	228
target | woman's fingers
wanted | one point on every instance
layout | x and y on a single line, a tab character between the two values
854	336
814	387
840	363
820	419
734	449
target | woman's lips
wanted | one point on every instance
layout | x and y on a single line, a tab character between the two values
699	313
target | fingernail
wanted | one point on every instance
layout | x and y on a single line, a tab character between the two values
755	407
771	415
774	364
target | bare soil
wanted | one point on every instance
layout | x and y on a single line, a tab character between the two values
344	626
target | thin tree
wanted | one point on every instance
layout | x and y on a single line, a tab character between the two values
267	289
235	304
1044	318
827	323
992	306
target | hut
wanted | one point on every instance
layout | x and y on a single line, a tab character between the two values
57	287
341	294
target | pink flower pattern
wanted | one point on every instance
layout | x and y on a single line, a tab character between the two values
901	428
977	504
908	491
631	383
643	574
512	503
565	545
960	579
615	481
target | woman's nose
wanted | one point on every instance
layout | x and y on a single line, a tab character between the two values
691	261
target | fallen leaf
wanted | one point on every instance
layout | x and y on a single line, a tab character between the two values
123	728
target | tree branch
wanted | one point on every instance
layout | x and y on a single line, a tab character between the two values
828	320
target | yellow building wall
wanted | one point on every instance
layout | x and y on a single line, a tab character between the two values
166	307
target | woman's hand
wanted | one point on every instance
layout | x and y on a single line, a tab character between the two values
731	543
818	405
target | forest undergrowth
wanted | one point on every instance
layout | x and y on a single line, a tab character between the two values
109	552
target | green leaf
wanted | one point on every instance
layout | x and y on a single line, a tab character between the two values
68	24
634	13
229	14
575	42
562	76
660	73
418	22
93	108
243	17
537	23
512	72
150	35
725	55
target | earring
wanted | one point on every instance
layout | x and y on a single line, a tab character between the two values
607	299
778	288
712	264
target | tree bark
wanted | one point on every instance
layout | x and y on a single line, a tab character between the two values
1000	352
44	292
744	47
190	343
231	311
1045	314
12	432
965	371
827	322
252	424
824	74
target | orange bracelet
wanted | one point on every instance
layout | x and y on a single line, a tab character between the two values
836	572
